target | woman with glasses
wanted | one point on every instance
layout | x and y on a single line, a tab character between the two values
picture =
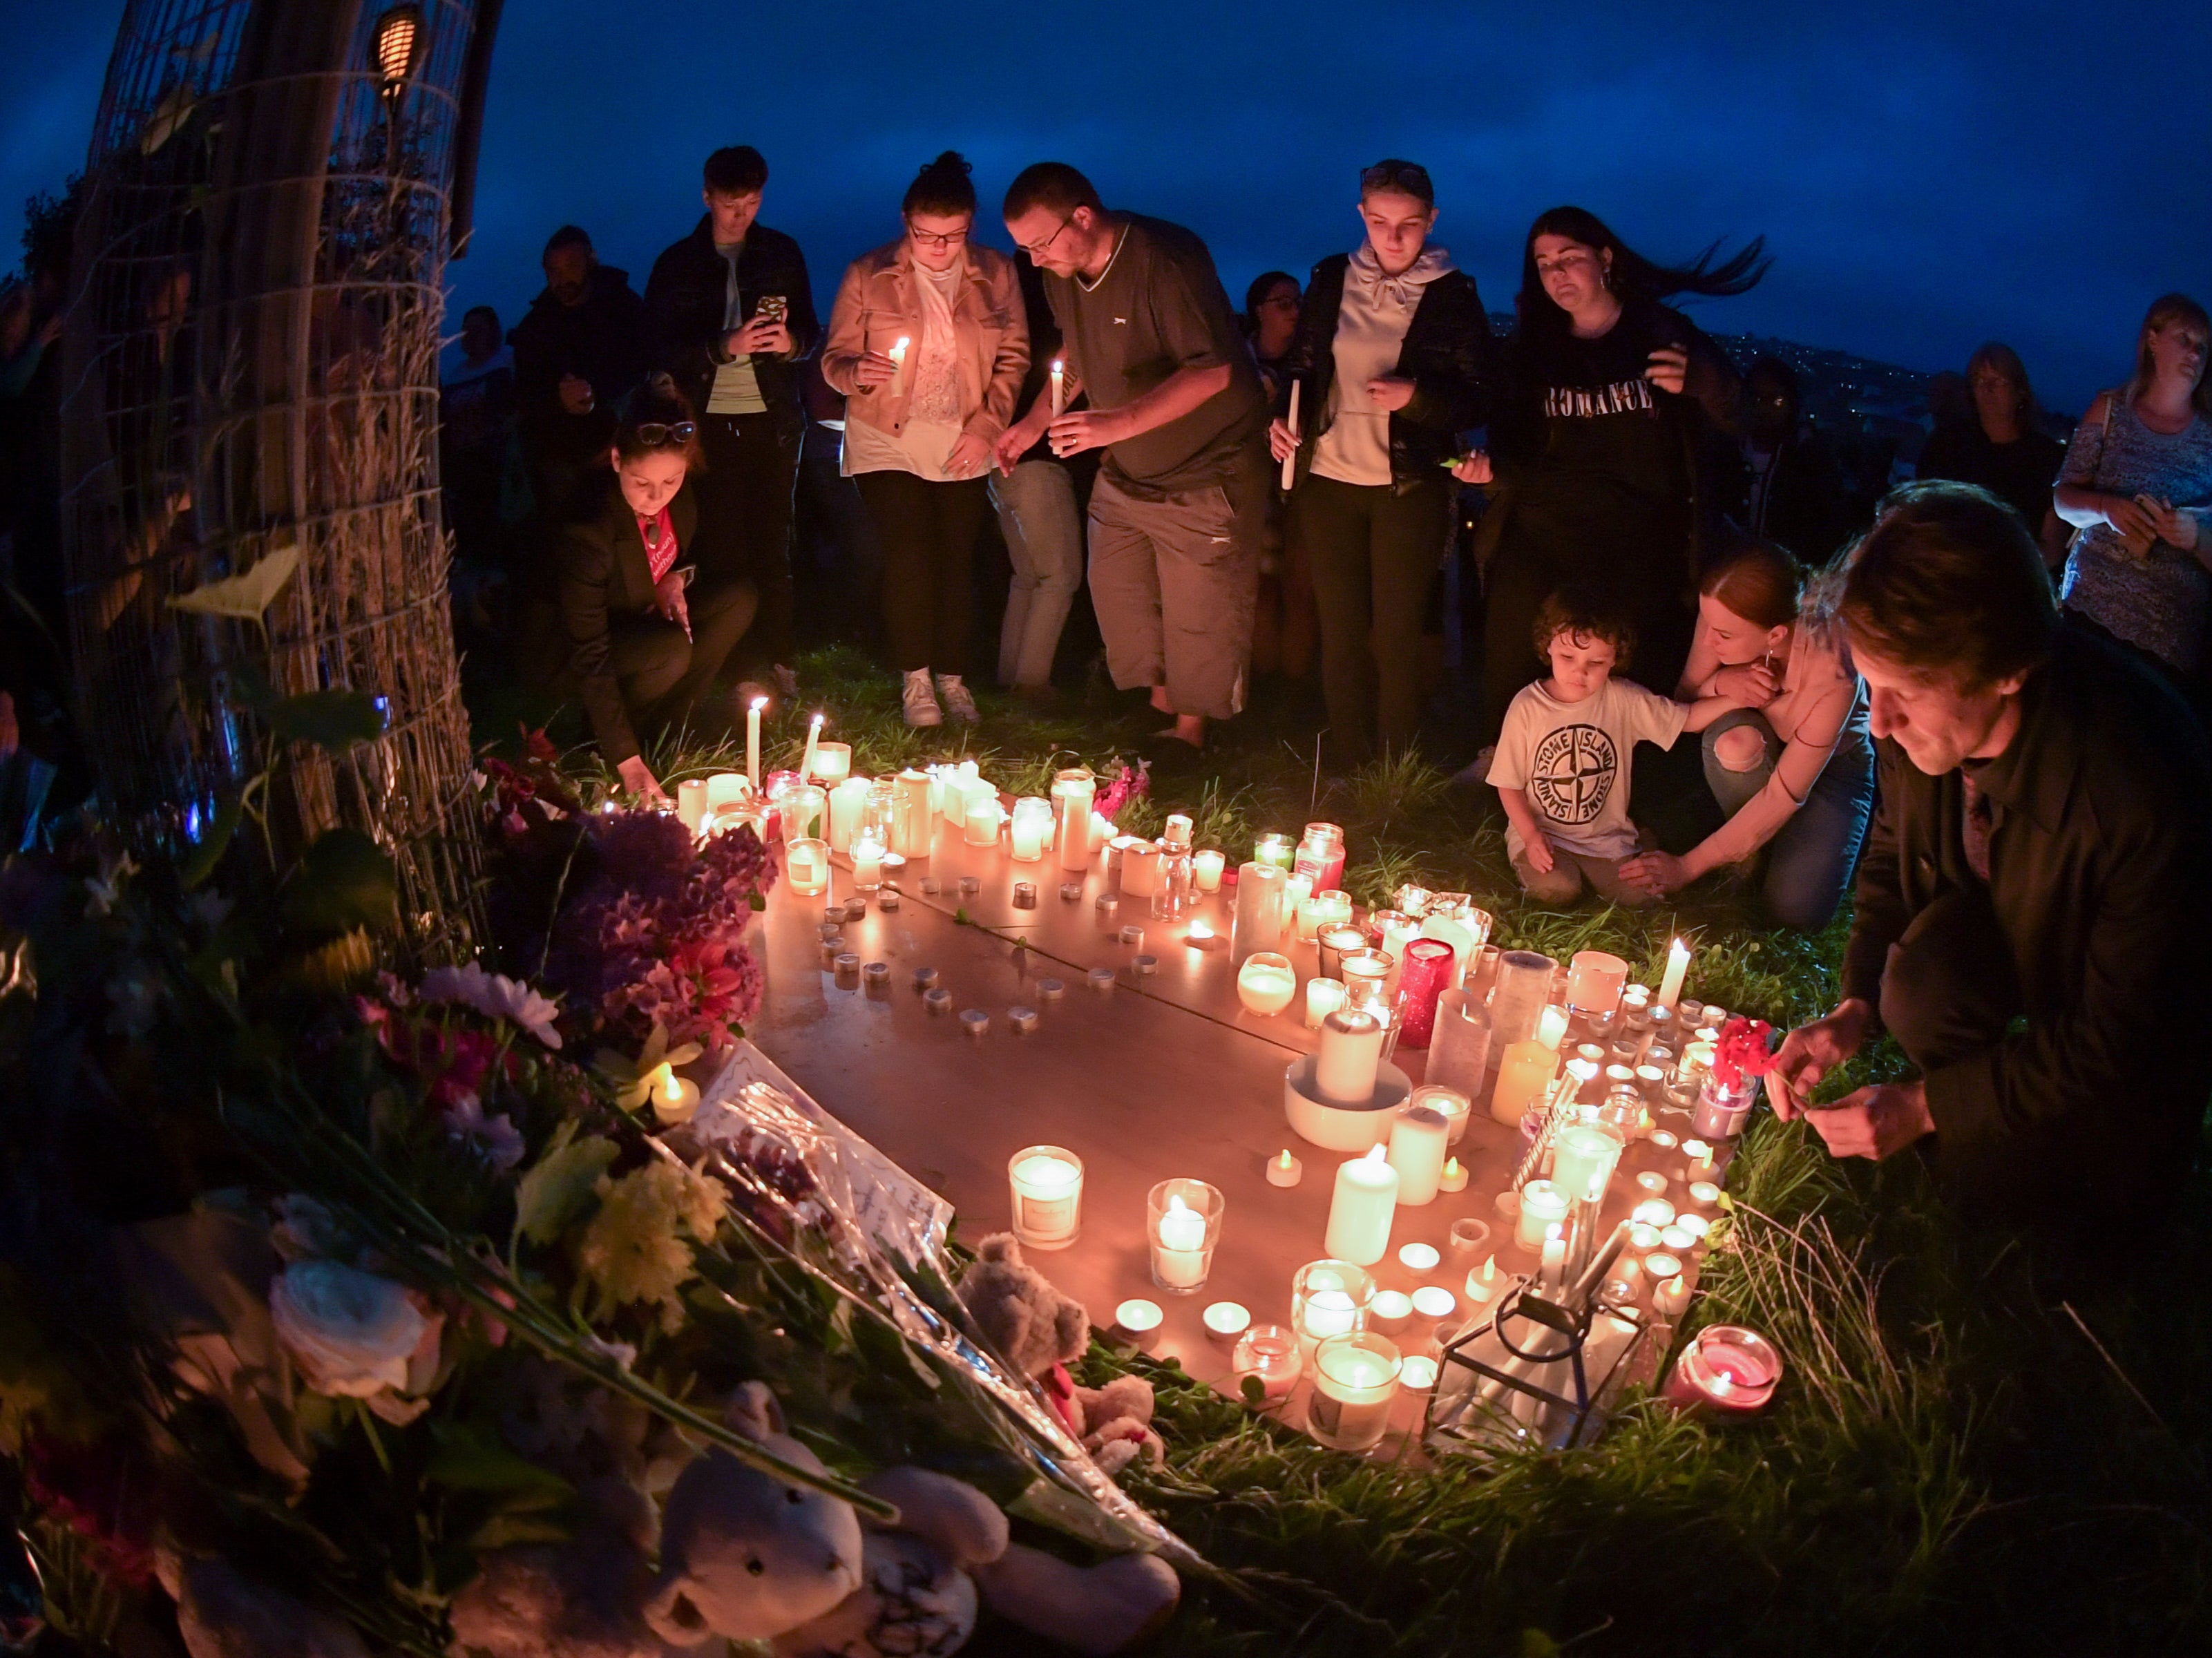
928	342
645	640
1601	444
1395	359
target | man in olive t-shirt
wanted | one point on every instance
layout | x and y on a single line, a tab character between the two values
1176	513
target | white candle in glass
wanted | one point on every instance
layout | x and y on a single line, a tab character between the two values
1205	871
847	801
1355	1384
1140	868
867	863
833	763
1323	998
1670	1297
1552	1027
806	867
725	788
1030	829
1542	1205
1328	1298
1677	968
1360	1209
1073	792
1259	910
1418	1140
1462	939
982	826
1296	889
1048	1193
1349	1054
1583	1158
1179	1256
1449	1103
1265	983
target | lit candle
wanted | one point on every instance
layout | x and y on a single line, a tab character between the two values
1355	1382
806	866
911	820
1329	1298
1291	460
1594	983
867	864
847	802
1350	1054
1360	1209
1670	1297
1029	828
1259	923
1483	1283
1700	1156
1652	1183
1138	1317
898	365
1418	1139
1677	1240
1058	388
1265	983
1073	792
675	1100
1333	943
1726	1370
1454	1179
1205	871
1542	1205
1452	1105
1418	1257
1277	850
1296	889
1695	1226
1653	1212
1184	1214
1524	1070
1662	1264
1583	1161
813	736
1226	1320
1323	998
1268	1354
1703	1193
1677	968
1418	1374
832	763
1201	935
1391	1309
1552	1027
1433	1300
1551	1268
1048	1192
1285	1171
691	802
752	741
983	814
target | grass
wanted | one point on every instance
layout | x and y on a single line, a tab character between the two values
1975	1449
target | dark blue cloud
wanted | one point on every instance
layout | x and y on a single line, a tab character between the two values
1928	176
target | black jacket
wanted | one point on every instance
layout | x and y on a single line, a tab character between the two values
2100	868
605	576
687	297
1449	353
1805	509
602	340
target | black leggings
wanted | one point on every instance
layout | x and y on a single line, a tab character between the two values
928	532
1373	553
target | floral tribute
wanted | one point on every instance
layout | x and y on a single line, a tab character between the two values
1741	1056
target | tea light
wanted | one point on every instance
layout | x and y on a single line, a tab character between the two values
1653	1212
1652	1183
1700	1156
975	1020
877	973
938	1000
1100	978
1226	1321
931	886
1677	1240
1418	1257
924	977
1417	1374
1108	903
1434	1300
675	1099
806	867
1391	1309
1323	998
970	885
847	963
1583	1161
1184	1219
1205	871
1025	893
1542	1205
1670	1297
1138	1317
1201	935
1050	990
1023	1019
1355	1381
1468	1239
1454	1177
1133	934
1268	1354
1695	1226
1361	1209
1659	1265
1416	1152
1663	1139
1641	1236
1070	891
1329	1298
1484	1282
1726	1370
1144	966
1286	1170
1048	1195
1703	1193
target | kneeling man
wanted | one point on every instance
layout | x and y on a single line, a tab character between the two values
2031	909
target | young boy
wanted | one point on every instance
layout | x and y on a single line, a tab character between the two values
1561	770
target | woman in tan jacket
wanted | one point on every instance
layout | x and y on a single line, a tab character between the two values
928	342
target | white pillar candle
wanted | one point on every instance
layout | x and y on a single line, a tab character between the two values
691	802
1355	1384
1265	983
1349	1054
1462	939
1058	388
911	822
725	788
1542	1205
1552	1266
847	802
1140	868
1677	968
1296	889
1329	1298
1205	871
1259	910
1291	460
1418	1139
752	741
1073	792
1047	1193
1360	1209
1323	998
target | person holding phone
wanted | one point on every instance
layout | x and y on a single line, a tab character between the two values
731	313
929	343
646	632
1600	446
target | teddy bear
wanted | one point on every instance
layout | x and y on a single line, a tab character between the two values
577	1599
1041	1332
747	1557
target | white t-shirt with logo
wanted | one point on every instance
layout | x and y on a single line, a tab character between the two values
1572	760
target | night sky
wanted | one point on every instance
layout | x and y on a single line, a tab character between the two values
1929	176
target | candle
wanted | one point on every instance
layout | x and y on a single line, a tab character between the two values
1323	998
1140	868
982	829
1483	1283
1454	1178
1677	968
1322	909
847	802
1418	1374
1677	1240
1048	1193
1391	1309
1267	1363
1361	1208
1593	983
1641	1236
1462	939
1073	792
1433	1300
1653	1212
950	794
1226	1320
1524	1072
1517	1001
1700	1156
1355	1381
1334	944
1448	1103
1662	1264
1265	983
1184	1216
813	736
1423	972
898	365
1583	1161
1330	1298
1259	924
1277	850
1418	1139
1726	1370
832	763
691	802
1058	388
1703	1193
1652	1183
1205	871
1542	1205
911	822
1030	829
725	788
803	811
752	740
1552	1027
1201	935
1418	1257
1291	460
1552	1267
1350	1054
1321	854
675	1100
1285	1171
1138	1317
867	864
806	866
1670	1297
1468	1239
1366	974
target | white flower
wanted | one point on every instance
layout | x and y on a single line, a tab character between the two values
350	1332
495	995
497	1137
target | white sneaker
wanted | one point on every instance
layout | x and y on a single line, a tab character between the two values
957	702
921	701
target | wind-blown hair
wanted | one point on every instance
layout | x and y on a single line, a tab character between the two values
1632	274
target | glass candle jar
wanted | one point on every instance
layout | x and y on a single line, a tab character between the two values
1321	855
1330	1298
1172	893
1259	924
1332	943
804	812
1048	1193
1183	1223
1266	1363
1205	869
1029	828
806	866
1523	989
1265	982
1725	1370
1073	792
1355	1384
1275	849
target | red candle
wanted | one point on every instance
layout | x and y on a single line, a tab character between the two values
1422	977
1726	1370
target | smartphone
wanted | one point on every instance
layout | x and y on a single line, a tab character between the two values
774	307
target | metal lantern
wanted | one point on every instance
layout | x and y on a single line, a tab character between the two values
1536	1372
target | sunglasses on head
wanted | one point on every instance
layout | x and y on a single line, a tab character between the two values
653	434
1413	180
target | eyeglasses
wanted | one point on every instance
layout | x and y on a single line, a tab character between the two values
653	434
1405	175
1037	250
935	238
